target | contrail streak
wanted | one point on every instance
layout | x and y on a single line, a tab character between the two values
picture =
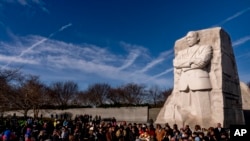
65	26
131	59
163	73
160	74
233	16
152	64
37	44
241	41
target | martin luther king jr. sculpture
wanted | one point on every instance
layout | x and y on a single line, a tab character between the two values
206	84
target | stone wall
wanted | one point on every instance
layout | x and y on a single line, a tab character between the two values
129	114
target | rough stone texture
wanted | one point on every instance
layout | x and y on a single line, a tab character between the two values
245	93
223	104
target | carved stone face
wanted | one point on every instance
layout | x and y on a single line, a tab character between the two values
192	38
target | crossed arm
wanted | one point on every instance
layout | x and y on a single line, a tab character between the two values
199	60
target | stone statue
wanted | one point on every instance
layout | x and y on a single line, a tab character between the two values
206	84
191	64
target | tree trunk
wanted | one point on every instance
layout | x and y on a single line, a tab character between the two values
36	112
25	113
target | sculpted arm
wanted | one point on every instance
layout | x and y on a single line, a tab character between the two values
179	62
205	55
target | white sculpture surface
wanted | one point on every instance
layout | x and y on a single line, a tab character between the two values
191	65
206	85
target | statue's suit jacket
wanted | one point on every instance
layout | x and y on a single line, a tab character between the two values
192	63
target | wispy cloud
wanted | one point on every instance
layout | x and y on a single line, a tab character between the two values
163	56
30	3
41	4
132	47
35	45
57	60
163	73
241	41
22	2
17	60
245	55
152	64
233	16
155	77
134	52
65	26
130	60
61	29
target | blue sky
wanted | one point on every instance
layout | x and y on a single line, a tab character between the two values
112	41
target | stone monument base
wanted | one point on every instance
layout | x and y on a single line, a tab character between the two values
191	109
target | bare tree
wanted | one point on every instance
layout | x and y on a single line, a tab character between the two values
29	94
134	93
6	90
164	96
116	96
82	99
37	92
62	93
97	93
9	75
154	95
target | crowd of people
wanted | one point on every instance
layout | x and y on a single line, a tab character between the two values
84	128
